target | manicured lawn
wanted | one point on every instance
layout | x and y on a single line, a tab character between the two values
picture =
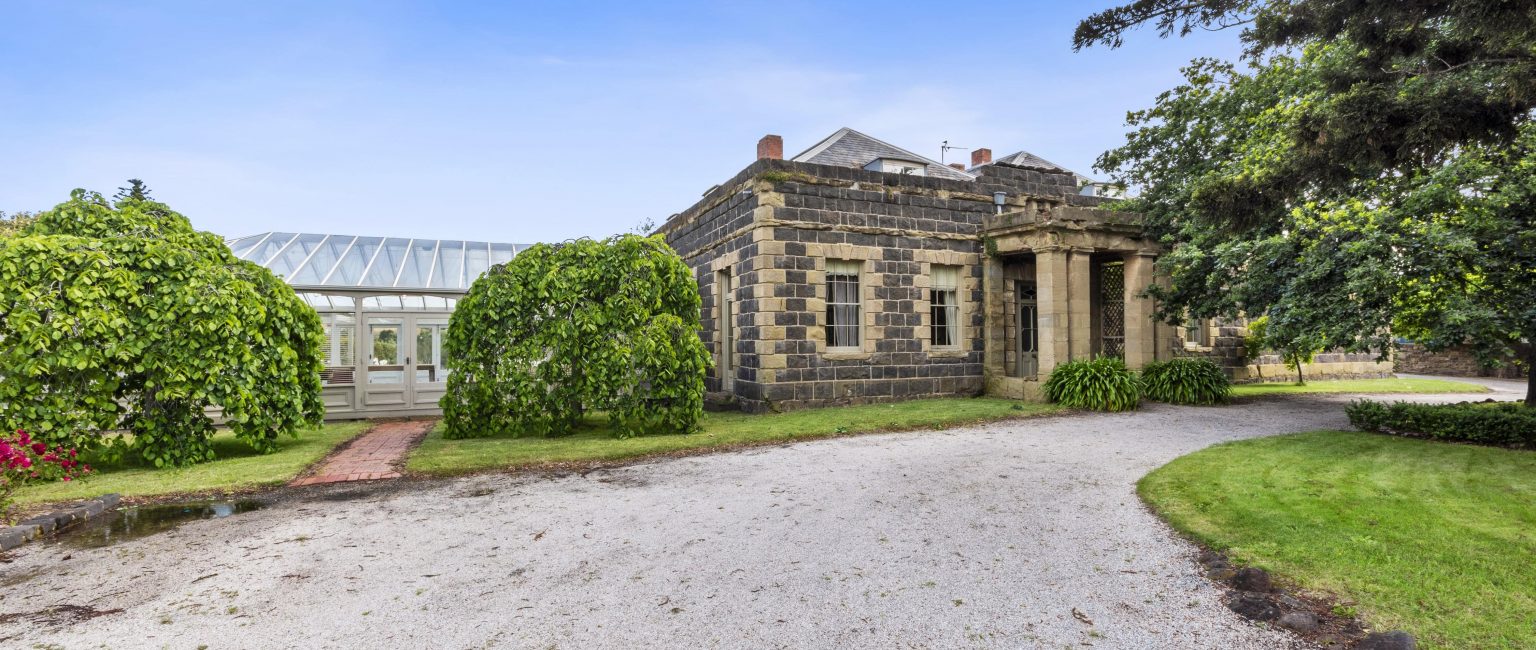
1392	385
1429	537
236	466
594	443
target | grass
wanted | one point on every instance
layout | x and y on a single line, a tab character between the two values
1430	537
593	442
236	466
1390	385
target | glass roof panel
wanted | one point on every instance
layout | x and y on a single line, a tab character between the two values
297	251
350	269
316	260
501	253
450	266
418	264
321	263
263	252
386	265
243	245
477	258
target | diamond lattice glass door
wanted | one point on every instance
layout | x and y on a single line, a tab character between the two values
1112	308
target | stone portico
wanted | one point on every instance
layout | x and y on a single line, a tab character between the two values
1063	283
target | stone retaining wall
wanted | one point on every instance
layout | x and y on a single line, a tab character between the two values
1456	362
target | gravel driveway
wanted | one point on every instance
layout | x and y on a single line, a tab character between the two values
1019	535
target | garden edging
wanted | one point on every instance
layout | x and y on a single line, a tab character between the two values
36	527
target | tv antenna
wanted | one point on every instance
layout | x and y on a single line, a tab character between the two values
944	148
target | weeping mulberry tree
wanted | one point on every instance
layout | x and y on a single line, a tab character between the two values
586	325
121	317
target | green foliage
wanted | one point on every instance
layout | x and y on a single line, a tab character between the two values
1494	424
135	191
1186	380
1399	85
1255	341
1371	173
1100	384
11	224
586	325
124	317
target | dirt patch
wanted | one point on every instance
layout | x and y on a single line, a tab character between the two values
1255	595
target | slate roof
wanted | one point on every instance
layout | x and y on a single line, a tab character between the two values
850	148
1027	159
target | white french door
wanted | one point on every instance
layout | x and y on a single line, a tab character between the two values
404	361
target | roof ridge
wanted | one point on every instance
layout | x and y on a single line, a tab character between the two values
843	132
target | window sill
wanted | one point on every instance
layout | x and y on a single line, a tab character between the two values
846	355
947	353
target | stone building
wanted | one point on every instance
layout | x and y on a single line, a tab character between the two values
858	271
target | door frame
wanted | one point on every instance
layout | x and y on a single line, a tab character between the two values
410	391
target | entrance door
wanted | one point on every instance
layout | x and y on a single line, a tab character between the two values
430	380
1029	330
405	365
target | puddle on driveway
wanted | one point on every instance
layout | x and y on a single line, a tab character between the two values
143	521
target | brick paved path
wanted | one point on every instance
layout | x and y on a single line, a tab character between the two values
377	454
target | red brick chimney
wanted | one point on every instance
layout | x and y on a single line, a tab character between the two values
957	166
770	147
981	157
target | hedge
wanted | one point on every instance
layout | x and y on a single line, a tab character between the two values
1481	422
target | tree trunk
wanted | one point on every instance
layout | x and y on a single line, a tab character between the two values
1300	380
1530	376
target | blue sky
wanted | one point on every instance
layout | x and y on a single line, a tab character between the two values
523	122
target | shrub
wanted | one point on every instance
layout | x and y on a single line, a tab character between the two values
124	317
1185	381
585	325
1101	384
23	460
1485	422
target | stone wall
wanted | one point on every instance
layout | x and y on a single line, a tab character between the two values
1456	362
1226	350
773	227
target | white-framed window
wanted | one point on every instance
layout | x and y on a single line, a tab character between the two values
339	355
843	304
1198	332
944	307
897	166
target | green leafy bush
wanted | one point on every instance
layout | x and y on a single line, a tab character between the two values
561	329
1100	384
1487	423
1186	380
123	317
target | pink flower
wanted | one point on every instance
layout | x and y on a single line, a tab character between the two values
38	447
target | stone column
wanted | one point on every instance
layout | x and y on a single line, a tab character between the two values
994	327
1080	303
1141	330
1051	287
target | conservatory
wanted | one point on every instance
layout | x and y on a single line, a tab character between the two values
384	302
